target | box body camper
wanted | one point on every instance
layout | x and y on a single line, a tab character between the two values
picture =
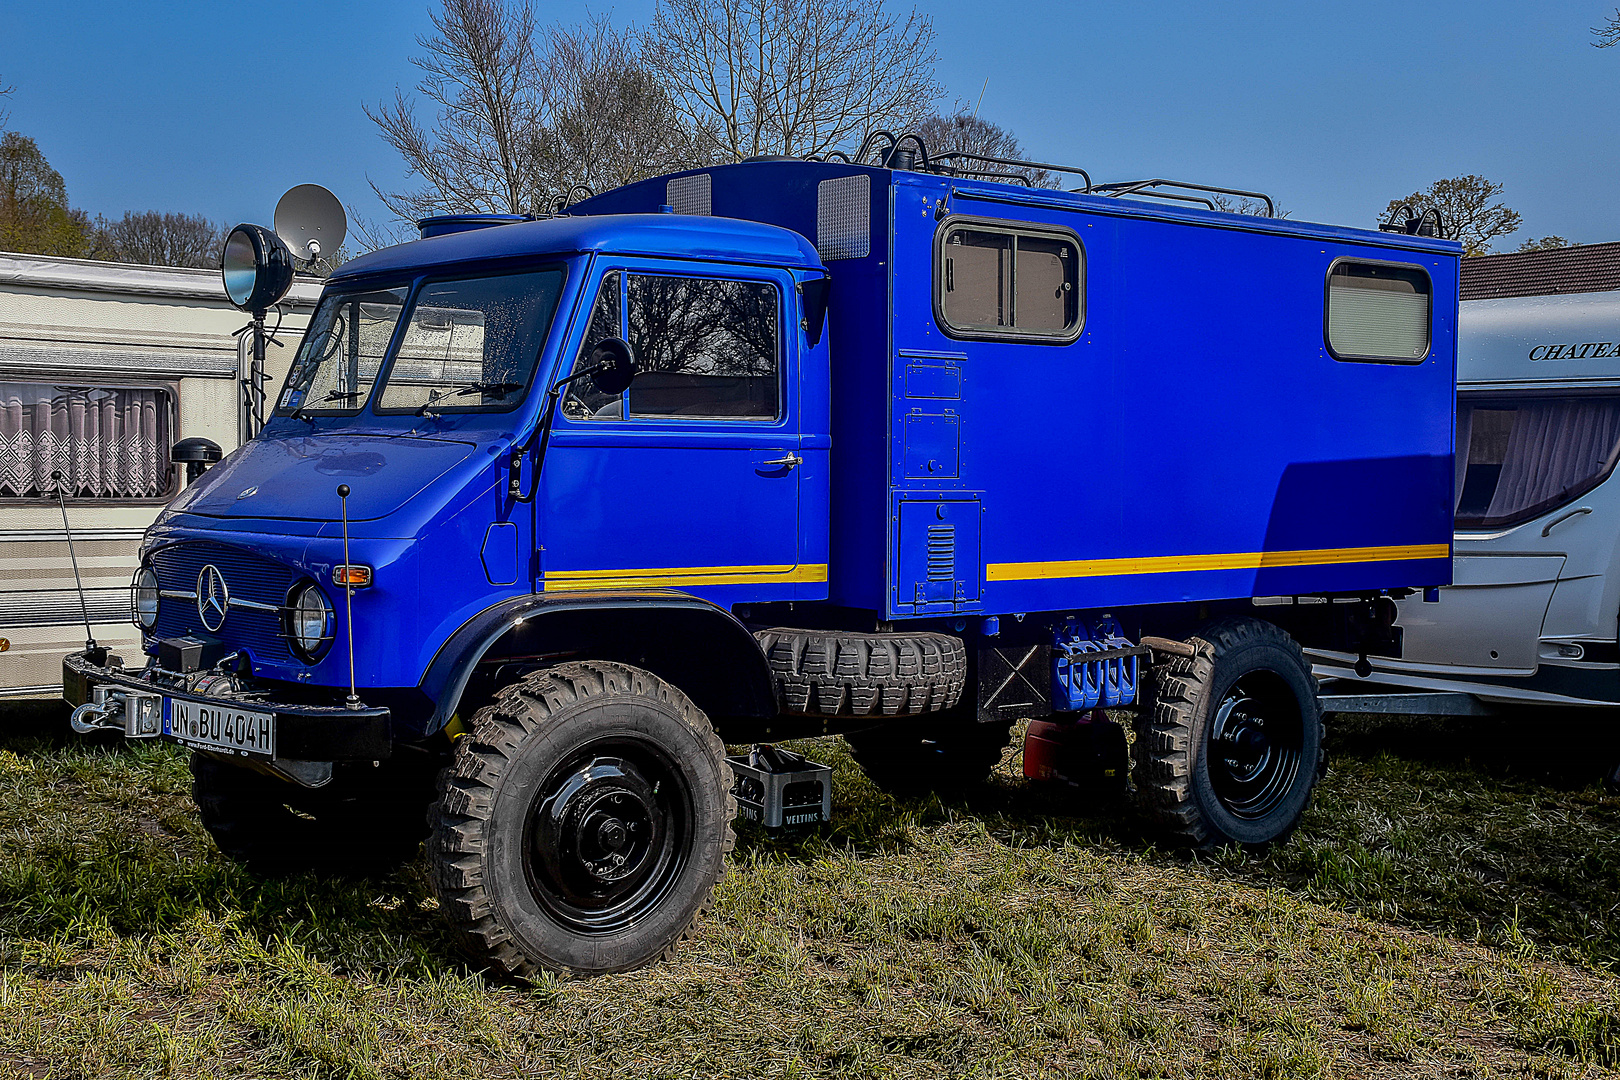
549	507
103	368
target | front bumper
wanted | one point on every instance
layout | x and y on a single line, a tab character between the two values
143	703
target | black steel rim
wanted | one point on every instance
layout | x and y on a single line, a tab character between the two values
1256	744
607	835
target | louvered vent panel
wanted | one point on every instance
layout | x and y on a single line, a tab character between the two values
941	552
690	194
844	218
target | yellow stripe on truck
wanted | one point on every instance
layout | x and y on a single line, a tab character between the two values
665	577
1241	560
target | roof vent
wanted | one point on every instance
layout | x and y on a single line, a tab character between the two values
689	194
445	224
843	217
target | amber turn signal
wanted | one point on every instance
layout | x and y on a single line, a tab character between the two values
353	575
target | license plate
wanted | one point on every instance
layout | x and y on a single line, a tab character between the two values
221	727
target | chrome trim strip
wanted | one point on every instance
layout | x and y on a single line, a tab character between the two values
253	604
177	594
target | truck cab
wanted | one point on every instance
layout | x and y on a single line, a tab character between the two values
548	508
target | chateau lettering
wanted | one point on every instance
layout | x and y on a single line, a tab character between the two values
1591	350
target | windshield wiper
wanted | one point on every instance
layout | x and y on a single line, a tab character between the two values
498	388
301	413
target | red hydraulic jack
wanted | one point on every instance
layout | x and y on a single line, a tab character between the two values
1084	750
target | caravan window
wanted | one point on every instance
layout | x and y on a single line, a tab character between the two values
1000	282
1520	459
108	443
1378	311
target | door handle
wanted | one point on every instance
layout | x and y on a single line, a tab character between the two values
791	461
1561	518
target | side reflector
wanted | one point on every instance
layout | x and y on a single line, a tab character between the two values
353	575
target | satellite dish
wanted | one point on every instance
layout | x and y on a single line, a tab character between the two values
310	221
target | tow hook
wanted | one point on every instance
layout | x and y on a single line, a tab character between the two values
135	714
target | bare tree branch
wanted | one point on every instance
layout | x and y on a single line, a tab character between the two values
610	123
156	239
791	77
965	132
484	80
1608	35
522	115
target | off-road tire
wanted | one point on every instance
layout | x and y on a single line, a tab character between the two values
948	755
1173	760
481	854
827	673
368	819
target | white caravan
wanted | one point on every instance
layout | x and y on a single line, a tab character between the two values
103	367
1534	610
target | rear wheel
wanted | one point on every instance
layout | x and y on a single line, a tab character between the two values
1229	742
583	823
368	819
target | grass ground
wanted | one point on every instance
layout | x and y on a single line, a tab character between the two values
1437	915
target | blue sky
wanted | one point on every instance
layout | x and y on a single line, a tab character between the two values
1334	109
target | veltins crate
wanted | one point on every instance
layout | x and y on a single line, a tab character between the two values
777	787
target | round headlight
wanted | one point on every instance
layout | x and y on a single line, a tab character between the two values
144	598
256	266
311	621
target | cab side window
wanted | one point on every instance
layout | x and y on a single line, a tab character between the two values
703	347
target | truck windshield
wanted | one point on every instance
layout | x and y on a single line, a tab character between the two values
471	343
342	351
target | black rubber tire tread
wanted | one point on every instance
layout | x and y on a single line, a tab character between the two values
909	758
1171	718
367	820
830	673
461	818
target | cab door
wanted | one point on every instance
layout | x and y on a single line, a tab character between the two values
692	479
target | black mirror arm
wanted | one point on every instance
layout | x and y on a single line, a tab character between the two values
542	434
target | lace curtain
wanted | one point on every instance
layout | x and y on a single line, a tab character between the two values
107	443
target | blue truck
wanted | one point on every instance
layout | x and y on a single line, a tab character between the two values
548	510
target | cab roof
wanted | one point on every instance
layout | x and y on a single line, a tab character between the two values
717	238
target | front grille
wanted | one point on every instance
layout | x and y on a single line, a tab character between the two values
248	576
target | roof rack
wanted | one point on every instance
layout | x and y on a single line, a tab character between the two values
1151	188
943	160
908	151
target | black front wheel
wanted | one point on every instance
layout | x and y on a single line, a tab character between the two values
1229	742
583	823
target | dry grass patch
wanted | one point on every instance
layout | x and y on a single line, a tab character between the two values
1011	936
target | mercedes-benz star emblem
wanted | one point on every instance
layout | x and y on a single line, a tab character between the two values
213	597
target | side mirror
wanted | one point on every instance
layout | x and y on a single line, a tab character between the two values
196	455
616	367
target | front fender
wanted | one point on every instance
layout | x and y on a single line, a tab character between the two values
692	643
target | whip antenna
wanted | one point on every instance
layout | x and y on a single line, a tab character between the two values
353	701
78	582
